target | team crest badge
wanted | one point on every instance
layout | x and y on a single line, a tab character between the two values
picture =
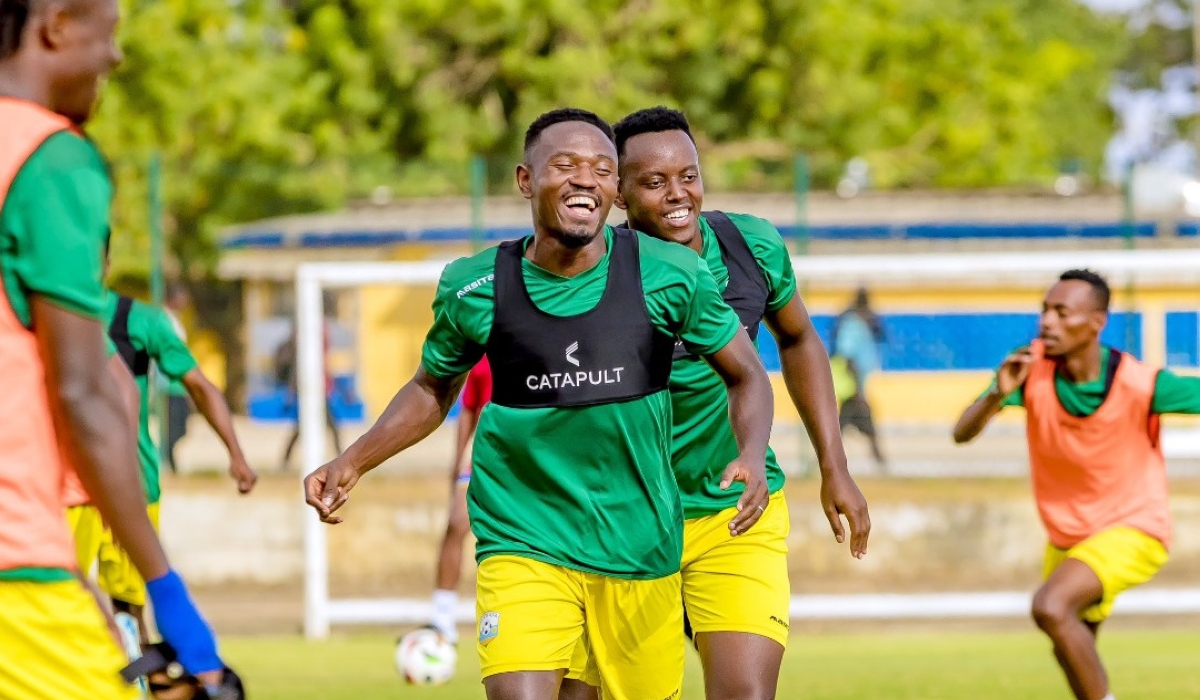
489	627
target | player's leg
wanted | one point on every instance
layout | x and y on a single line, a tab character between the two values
449	567
530	618
634	631
331	423
1057	607
737	595
1081	587
291	445
56	645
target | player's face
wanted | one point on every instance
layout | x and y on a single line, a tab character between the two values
1071	319
661	186
88	53
571	180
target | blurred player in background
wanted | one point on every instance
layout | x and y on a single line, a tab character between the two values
143	335
736	591
61	407
857	334
1099	476
572	499
476	394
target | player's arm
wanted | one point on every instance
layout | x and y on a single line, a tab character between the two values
176	361
211	403
1010	378
86	396
468	420
414	412
809	382
1176	394
97	431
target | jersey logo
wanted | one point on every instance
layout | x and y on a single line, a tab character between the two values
572	348
489	627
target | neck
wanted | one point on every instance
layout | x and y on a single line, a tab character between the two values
549	253
14	83
1083	365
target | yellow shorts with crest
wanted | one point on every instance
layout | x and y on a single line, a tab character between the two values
56	645
532	616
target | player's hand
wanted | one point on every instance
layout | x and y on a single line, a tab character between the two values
1014	371
328	488
753	502
182	626
241	472
840	496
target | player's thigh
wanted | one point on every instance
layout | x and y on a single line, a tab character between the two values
739	584
635	635
55	645
1121	557
529	615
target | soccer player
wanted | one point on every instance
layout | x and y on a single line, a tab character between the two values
572	499
476	394
1099	477
736	591
145	334
61	406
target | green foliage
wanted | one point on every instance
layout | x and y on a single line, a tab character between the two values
265	107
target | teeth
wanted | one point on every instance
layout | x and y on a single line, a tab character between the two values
585	201
679	214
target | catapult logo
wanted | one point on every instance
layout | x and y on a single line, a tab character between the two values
581	378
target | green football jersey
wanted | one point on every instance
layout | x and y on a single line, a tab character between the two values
152	331
588	488
701	435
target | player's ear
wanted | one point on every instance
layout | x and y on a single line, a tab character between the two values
620	200
525	181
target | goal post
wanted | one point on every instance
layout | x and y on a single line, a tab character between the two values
840	272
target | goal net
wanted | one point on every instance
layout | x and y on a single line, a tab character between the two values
948	320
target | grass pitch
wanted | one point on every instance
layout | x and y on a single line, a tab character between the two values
1143	665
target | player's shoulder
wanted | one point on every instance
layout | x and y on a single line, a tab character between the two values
666	256
66	151
469	274
759	233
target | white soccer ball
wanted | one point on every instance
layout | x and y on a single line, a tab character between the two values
425	657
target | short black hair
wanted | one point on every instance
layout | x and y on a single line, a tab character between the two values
1098	284
650	121
13	16
558	116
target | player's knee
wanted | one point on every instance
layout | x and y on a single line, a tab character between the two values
741	687
1050	612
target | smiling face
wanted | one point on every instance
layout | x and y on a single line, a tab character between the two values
1071	318
661	186
570	178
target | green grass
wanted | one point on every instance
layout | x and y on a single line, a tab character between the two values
1144	665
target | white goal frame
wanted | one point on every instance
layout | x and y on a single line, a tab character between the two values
1178	266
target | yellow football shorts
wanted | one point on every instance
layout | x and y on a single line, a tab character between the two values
55	645
738	584
115	572
1122	557
533	616
87	527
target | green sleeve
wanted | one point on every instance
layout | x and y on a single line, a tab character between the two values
682	297
462	314
772	256
1176	394
162	343
54	227
1017	398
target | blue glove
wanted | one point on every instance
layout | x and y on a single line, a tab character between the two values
181	625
